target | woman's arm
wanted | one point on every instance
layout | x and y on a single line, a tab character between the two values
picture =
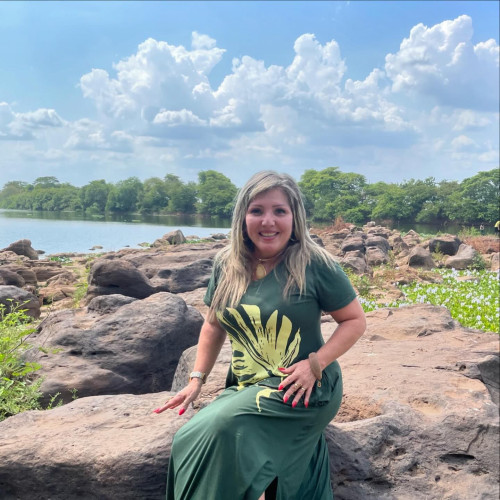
351	325
212	337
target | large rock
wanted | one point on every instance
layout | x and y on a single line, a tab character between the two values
356	261
417	422
464	258
446	244
420	257
376	256
13	297
9	277
353	243
183	279
117	346
118	276
22	247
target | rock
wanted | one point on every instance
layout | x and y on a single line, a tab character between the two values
172	238
219	236
22	247
13	297
356	261
183	279
381	231
371	224
417	421
375	256
9	277
420	257
118	276
353	243
494	262
379	242
317	240
398	245
55	293
105	304
463	259
133	348
45	270
446	244
411	238
96	448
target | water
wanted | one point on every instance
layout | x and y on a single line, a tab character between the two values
73	232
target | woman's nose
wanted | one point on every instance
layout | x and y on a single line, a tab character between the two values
268	219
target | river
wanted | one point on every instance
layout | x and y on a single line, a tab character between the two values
74	232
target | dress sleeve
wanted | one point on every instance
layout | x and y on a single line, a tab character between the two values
333	289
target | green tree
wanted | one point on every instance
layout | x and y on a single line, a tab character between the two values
94	196
124	195
154	195
45	182
216	193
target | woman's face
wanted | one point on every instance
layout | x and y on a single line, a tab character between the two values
269	222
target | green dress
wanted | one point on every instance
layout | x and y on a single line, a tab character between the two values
247	437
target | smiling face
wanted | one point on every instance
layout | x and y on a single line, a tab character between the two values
269	223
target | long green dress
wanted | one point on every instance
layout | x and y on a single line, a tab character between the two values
247	437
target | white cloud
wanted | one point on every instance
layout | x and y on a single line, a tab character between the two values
442	62
463	143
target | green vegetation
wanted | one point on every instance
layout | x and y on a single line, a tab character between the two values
328	194
471	296
18	392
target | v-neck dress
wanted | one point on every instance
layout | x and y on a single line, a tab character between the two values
237	445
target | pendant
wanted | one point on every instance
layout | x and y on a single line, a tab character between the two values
260	271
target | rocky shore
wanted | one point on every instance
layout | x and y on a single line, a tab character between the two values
419	418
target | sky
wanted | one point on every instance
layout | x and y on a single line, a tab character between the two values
392	90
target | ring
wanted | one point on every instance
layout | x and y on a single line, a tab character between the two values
297	386
302	389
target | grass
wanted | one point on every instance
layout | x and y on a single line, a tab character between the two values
471	296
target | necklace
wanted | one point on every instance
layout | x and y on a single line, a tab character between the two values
260	269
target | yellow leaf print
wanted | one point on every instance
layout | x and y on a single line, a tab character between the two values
259	350
264	393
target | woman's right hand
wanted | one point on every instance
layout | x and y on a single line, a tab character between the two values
183	397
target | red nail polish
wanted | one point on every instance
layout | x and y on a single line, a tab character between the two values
306	404
281	369
181	411
156	411
280	387
294	404
285	399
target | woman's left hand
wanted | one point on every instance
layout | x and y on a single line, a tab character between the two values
299	382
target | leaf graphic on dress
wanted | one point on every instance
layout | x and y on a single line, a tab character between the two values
265	393
258	351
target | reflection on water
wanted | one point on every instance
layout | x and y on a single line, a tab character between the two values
75	232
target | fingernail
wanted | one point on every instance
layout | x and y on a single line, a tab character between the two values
156	411
280	387
181	411
285	399
281	369
294	404
306	404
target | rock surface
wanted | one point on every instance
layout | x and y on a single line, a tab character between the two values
418	421
13	297
118	345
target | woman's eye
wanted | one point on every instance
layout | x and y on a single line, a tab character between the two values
254	211
280	211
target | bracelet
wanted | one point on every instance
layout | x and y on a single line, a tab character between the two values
202	376
315	367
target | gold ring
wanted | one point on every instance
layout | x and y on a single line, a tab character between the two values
302	389
297	386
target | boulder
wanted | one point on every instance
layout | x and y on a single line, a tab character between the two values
13	297
317	240
379	242
9	277
353	243
183	279
22	247
116	346
495	262
418	421
411	238
420	257
173	238
356	261
375	256
446	244
398	245
463	259
118	277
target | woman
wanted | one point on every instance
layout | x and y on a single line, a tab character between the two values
264	433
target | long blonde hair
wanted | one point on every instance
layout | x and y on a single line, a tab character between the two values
234	261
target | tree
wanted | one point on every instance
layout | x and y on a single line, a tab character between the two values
124	195
45	182
154	195
216	193
94	196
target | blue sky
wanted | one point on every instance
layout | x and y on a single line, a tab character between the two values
108	90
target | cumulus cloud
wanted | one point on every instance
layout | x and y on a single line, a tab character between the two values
443	63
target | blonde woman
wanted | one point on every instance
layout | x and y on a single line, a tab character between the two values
263	436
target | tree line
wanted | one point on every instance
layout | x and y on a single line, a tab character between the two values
328	194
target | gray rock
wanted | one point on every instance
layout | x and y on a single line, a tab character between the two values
352	244
356	261
22	247
118	277
420	257
9	277
379	242
446	244
132	349
173	238
463	259
13	297
376	256
183	279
